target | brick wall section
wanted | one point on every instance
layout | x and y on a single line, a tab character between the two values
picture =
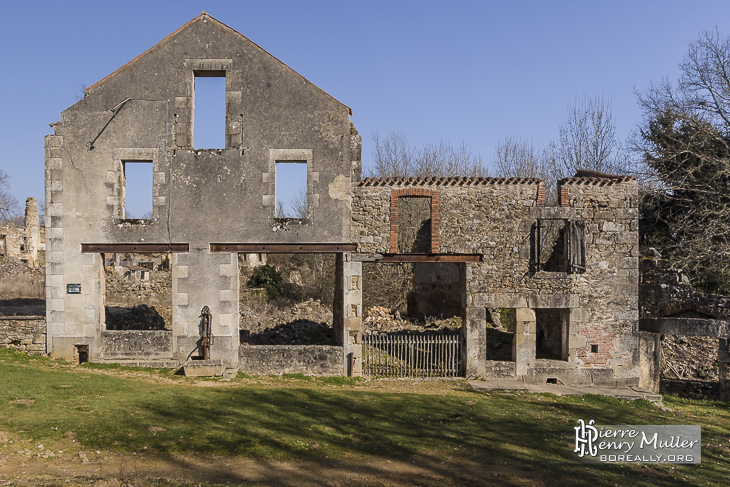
595	334
397	193
26	333
540	194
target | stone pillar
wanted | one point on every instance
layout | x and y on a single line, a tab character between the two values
347	312
723	358
32	229
474	352
650	356
525	344
203	278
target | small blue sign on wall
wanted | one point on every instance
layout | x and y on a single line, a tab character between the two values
73	288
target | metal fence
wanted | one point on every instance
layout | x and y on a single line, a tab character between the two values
412	355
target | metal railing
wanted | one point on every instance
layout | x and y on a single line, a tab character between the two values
411	355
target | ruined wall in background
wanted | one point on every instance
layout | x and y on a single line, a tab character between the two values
25	333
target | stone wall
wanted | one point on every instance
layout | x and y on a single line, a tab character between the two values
666	292
135	345
320	360
26	333
503	221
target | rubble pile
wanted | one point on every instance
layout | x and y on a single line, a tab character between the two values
690	358
379	320
306	323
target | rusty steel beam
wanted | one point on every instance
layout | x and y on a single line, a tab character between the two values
430	258
134	247
283	248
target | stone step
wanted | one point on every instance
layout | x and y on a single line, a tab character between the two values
500	370
204	368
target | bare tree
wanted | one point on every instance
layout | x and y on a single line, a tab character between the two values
588	139
394	156
685	143
9	206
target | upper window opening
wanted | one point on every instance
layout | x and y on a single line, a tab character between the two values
137	190
291	190
414	225
209	112
559	246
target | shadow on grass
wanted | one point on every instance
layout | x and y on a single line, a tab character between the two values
499	439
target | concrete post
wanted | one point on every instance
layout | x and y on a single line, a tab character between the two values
525	342
347	313
723	358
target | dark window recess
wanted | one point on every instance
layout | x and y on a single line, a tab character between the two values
594	348
558	246
414	225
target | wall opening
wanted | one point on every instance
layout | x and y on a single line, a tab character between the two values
414	225
551	328
291	190
501	327
559	246
209	110
2	244
137	190
286	299
138	291
80	354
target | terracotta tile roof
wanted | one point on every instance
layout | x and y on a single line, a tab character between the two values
443	181
588	181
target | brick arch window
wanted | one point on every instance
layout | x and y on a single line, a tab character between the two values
398	195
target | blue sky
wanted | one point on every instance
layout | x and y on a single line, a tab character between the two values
459	71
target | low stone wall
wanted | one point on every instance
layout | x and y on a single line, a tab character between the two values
694	389
26	333
136	344
321	360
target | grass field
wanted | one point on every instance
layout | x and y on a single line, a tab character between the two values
443	427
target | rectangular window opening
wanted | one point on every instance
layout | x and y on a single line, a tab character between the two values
291	190
559	246
137	190
209	110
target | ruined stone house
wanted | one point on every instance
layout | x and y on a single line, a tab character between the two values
569	273
23	243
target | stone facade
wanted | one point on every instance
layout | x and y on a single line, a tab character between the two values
585	317
570	272
145	113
